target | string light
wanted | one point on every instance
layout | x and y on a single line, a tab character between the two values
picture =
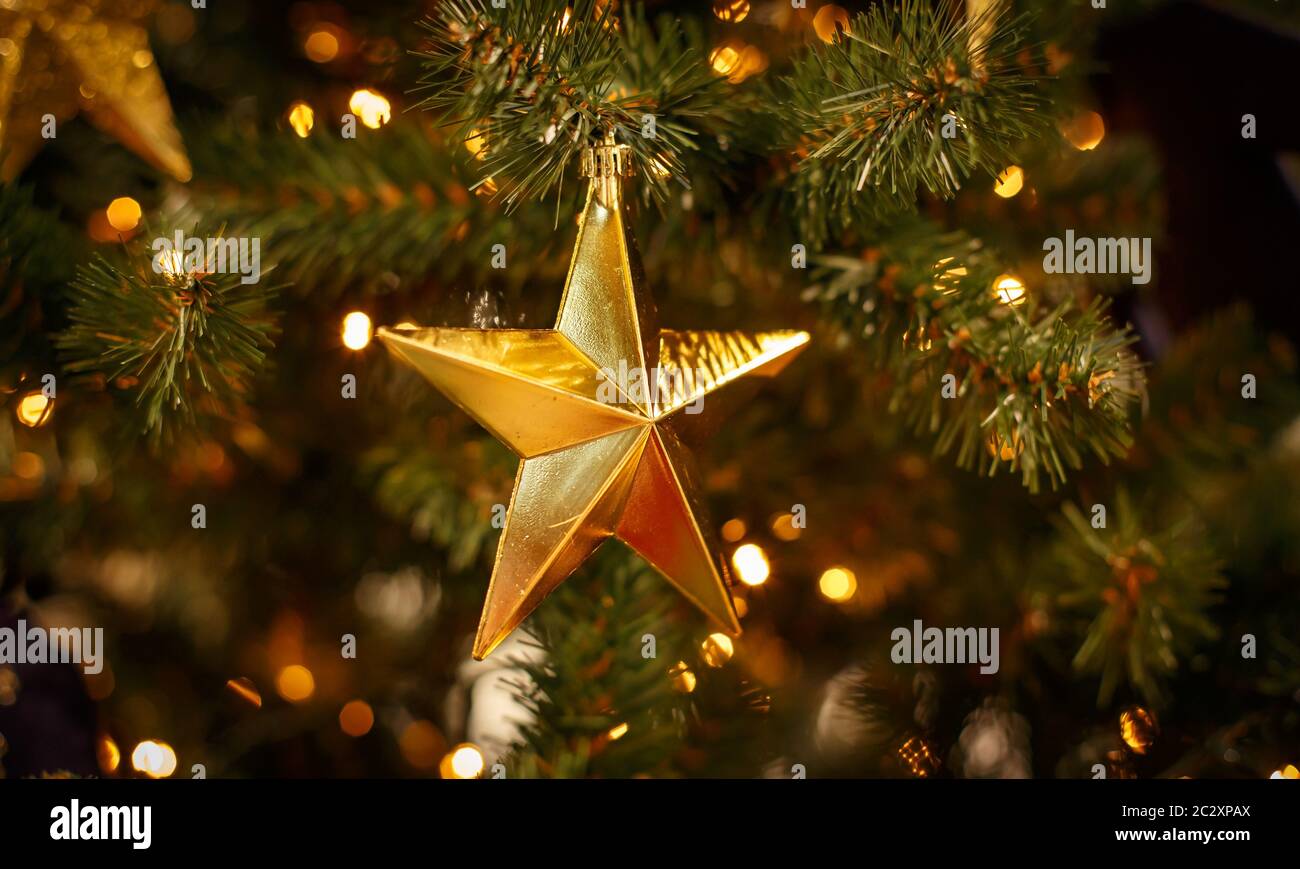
1009	182
725	60
618	731
356	330
733	530
245	690
356	718
731	11
683	679
1009	289
295	683
751	564
1138	728
108	754
464	761
302	117
1084	131
837	584
123	214
717	649
321	46
153	758
372	108
829	21
1287	772
34	409
784	528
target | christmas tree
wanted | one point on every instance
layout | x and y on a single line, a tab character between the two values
997	482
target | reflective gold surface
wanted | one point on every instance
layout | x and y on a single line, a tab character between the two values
58	56
601	457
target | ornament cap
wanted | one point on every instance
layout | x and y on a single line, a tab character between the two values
607	160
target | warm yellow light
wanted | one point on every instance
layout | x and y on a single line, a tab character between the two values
1009	182
733	11
109	755
321	46
154	759
1009	289
618	731
751	564
123	214
838	584
717	649
1288	771
725	60
829	21
683	679
784	528
476	143
356	718
1084	131
295	683
356	331
245	690
733	530
373	109
422	745
463	761
34	409
302	118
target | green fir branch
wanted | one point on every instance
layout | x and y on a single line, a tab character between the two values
869	111
1033	386
185	346
532	84
1137	594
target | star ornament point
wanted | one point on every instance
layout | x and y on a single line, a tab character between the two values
599	410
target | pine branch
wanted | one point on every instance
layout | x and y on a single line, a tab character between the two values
531	84
1032	386
870	111
600	707
184	343
1138	596
372	214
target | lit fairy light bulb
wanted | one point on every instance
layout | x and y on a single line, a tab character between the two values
153	758
463	762
837	584
295	683
1084	131
302	117
124	214
725	60
830	21
618	731
751	564
372	108
717	649
321	46
1010	181
34	409
732	11
108	754
1009	289
356	331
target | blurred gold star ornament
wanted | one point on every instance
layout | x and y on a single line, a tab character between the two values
60	56
598	409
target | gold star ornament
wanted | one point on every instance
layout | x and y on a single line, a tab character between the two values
598	409
60	56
